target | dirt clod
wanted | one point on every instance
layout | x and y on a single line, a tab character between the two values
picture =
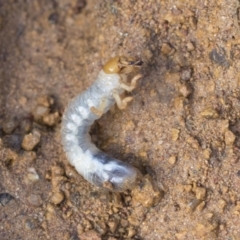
31	140
90	235
51	119
200	193
146	194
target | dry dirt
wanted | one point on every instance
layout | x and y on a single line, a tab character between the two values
182	130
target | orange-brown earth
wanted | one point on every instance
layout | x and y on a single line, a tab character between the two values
182	129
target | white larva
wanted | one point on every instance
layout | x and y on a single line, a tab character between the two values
93	164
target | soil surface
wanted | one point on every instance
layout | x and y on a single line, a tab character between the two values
182	130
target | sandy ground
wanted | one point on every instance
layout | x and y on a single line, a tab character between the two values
182	129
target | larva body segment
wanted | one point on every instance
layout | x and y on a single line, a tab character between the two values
94	165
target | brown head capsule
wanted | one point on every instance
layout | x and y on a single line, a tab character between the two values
121	65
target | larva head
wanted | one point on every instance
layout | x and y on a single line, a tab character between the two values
122	65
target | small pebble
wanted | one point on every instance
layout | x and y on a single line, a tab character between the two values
121	230
219	56
51	119
50	208
90	235
186	74
193	204
179	59
53	18
112	226
68	213
9	125
207	153
201	206
67	186
11	157
172	160
166	49
29	156
124	223
129	125
190	46
57	181
176	11
175	134
101	227
143	154
116	199
193	22
31	224
224	189
67	236
185	90
181	235
5	198
23	100
80	5
57	197
75	199
31	140
222	204
200	193
179	103
13	141
32	174
188	188
57	171
236	209
229	137
209	113
206	227
80	229
131	232
35	200
209	215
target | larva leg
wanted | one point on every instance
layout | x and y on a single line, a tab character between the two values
132	84
100	110
96	111
121	103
